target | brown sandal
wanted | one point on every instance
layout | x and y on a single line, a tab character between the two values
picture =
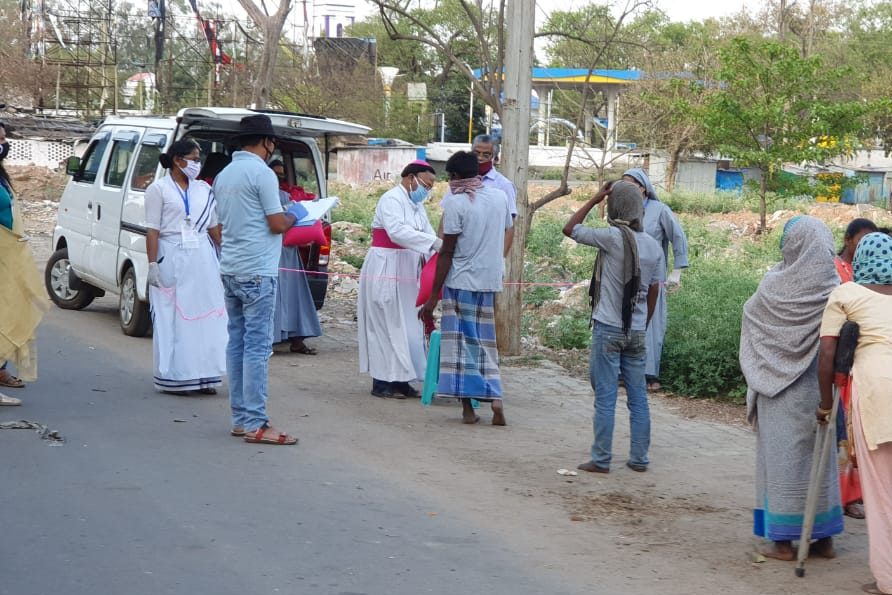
258	437
9	381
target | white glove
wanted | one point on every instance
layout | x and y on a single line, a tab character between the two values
154	275
674	277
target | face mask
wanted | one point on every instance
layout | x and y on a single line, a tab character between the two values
419	194
484	167
4	150
192	169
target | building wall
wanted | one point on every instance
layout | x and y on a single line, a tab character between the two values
368	165
51	154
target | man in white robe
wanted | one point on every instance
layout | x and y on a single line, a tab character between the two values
391	337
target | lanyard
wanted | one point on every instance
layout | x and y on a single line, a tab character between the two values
184	196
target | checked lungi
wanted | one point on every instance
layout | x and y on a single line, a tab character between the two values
469	357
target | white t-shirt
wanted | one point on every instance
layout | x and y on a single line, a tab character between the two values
480	224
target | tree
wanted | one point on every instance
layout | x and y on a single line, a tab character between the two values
460	31
662	109
775	107
271	27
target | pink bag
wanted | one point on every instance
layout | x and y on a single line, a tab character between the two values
301	235
428	272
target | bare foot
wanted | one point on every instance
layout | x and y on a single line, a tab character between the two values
498	414
468	415
822	548
781	550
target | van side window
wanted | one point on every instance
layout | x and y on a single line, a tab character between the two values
145	167
92	159
118	162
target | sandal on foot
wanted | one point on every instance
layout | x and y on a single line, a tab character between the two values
873	589
303	350
237	431
9	401
259	436
855	510
7	380
208	391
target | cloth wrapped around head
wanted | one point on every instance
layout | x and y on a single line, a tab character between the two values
873	260
641	177
625	211
782	320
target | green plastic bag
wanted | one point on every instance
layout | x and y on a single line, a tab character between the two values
432	373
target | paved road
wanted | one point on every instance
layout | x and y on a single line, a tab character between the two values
138	502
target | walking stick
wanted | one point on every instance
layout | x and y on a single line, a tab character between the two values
842	366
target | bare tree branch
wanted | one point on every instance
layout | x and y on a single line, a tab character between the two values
563	189
432	39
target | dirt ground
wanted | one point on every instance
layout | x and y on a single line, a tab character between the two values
684	527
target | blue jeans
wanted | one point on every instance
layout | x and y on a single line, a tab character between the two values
615	352
250	304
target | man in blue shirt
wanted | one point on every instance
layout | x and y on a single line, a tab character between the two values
249	209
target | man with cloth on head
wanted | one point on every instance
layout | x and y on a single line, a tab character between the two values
628	271
469	270
251	213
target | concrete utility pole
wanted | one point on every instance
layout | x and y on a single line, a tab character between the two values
520	26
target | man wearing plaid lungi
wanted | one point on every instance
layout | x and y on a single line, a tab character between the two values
469	271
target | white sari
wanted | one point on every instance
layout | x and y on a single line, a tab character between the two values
188	311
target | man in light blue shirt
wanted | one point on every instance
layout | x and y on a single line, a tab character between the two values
249	209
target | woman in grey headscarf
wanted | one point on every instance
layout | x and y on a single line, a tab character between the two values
660	223
778	356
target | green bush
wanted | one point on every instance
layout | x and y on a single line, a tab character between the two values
700	353
700	203
353	260
570	330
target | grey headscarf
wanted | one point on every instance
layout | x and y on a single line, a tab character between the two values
625	211
641	176
782	320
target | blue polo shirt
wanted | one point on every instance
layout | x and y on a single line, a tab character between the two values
247	190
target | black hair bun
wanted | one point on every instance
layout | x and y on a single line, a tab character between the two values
165	160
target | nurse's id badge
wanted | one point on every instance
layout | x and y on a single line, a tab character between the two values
189	236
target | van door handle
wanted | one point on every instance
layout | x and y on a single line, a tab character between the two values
99	211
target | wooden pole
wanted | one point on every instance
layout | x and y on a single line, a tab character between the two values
520	27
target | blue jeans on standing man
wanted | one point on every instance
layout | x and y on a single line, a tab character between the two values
615	352
250	304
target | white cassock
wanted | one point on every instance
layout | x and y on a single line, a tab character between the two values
391	337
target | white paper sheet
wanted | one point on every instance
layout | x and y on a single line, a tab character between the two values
316	209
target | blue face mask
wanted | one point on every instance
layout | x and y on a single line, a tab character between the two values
419	194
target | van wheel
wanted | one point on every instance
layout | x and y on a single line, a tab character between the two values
55	278
134	313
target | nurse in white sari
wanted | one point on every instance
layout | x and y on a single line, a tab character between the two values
185	291
391	337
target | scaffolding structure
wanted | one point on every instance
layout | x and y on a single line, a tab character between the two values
78	41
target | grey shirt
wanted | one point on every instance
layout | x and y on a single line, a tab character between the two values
660	223
480	224
653	270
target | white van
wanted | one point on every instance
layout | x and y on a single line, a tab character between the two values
100	234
